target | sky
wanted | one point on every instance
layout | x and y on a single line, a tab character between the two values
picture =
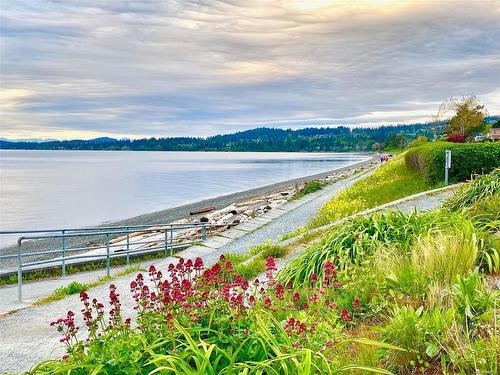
90	68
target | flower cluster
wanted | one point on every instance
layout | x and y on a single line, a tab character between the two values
190	294
67	328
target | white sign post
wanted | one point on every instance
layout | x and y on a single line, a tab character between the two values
447	165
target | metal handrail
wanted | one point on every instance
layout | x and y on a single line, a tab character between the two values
97	228
62	234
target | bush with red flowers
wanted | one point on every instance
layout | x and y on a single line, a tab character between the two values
457	137
185	310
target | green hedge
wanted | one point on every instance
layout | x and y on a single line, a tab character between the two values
466	159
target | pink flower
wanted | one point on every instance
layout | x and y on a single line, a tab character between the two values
332	305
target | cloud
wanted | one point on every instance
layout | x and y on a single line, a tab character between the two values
165	68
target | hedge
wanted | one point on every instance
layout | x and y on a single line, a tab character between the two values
466	159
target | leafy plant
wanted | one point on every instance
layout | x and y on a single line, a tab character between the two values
417	330
351	242
470	298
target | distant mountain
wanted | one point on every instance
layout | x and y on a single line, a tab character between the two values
259	139
30	140
103	140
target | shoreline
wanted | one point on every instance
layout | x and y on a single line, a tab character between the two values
177	213
173	214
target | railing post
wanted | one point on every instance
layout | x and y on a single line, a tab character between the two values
63	246
166	243
19	272
171	240
128	246
108	262
203	232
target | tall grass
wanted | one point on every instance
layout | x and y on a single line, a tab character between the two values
479	188
443	257
350	243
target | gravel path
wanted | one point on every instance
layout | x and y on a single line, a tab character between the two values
26	337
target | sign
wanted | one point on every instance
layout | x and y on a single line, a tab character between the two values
447	165
447	159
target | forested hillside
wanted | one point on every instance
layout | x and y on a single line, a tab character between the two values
259	139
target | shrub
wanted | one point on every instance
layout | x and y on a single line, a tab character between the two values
419	140
458	137
467	159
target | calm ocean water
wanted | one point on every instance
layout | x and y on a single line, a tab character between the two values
52	189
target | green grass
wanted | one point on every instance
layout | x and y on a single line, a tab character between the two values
252	269
269	249
310	187
76	287
236	259
259	254
392	181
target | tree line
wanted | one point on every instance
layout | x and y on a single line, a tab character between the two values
259	139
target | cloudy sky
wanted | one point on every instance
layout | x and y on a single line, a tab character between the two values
87	68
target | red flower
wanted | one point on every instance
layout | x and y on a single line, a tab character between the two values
314	278
198	264
280	290
270	264
345	315
330	271
296	297
267	302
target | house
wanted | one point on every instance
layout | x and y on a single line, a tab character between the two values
495	134
495	131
